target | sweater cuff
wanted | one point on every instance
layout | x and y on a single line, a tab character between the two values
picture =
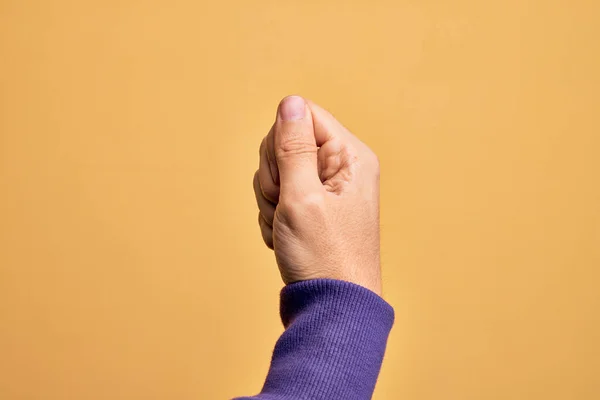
334	342
331	298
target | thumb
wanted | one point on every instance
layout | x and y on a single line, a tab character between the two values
296	148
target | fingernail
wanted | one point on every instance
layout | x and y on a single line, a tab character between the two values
292	108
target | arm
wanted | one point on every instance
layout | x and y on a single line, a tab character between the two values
333	345
317	189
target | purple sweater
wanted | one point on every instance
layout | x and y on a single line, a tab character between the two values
333	344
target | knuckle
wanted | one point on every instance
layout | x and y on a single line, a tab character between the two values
376	164
263	145
372	160
298	208
268	214
312	202
255	178
265	186
256	182
270	192
294	144
266	233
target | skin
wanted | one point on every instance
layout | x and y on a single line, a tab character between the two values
317	189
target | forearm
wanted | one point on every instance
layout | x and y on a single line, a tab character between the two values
333	345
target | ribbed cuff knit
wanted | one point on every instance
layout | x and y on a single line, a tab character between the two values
333	345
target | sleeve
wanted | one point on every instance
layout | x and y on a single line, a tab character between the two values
333	345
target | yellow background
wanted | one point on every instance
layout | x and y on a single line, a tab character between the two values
131	264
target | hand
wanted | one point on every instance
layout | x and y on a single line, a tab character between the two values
317	189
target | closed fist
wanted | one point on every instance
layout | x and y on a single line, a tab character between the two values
317	188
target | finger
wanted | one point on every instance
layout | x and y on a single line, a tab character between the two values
271	156
270	190
326	126
295	147
266	208
266	230
332	157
